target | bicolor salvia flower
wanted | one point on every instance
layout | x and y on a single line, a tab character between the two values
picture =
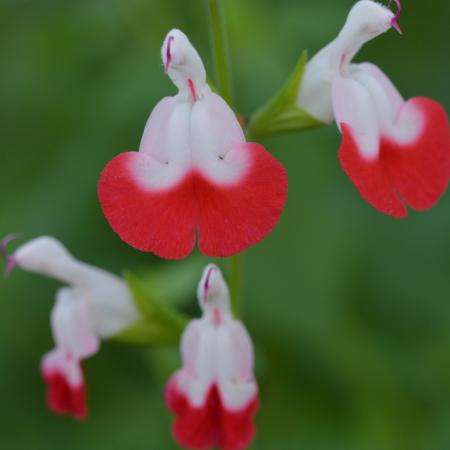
214	395
396	152
95	305
194	173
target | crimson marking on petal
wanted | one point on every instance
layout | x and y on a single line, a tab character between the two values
170	41
394	20
192	90
212	425
416	174
11	261
206	285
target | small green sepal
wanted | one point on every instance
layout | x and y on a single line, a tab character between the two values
281	114
160	324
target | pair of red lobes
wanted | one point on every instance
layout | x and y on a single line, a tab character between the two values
228	217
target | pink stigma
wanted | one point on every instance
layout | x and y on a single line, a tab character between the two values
206	285
192	89
11	261
394	20
170	41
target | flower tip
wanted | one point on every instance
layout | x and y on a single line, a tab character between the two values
168	59
396	26
11	264
394	21
207	284
11	261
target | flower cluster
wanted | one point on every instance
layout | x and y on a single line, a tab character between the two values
195	174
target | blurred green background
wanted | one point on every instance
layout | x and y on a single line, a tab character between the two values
349	309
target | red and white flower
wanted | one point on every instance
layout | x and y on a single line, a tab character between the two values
396	152
214	396
194	173
96	305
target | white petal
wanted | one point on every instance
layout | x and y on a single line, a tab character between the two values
394	97
314	95
215	130
365	21
221	355
111	307
353	105
190	345
212	291
199	355
181	136
72	325
386	101
234	353
167	132
396	122
166	141
47	256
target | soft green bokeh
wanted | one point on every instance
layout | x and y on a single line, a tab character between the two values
349	309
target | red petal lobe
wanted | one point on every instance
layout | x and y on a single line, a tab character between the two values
212	425
234	217
415	173
159	221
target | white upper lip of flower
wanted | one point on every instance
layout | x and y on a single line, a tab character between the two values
183	65
212	291
111	308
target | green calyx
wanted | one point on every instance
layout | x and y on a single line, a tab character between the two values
160	322
281	114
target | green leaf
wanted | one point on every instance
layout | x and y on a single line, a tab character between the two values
160	324
281	114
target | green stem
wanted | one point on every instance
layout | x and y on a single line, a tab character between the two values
220	50
235	283
224	86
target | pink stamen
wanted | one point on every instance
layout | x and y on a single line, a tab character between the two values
394	20
206	285
11	261
170	41
192	89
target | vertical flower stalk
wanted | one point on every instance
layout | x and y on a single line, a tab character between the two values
220	49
